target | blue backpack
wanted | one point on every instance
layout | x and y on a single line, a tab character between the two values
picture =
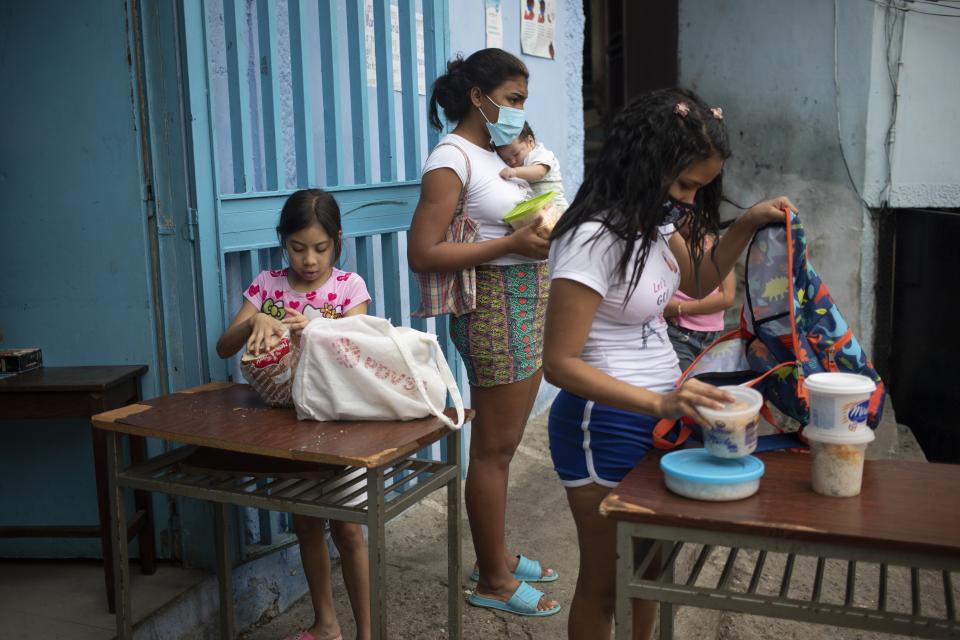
790	328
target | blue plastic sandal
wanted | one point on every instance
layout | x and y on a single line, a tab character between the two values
523	602
527	571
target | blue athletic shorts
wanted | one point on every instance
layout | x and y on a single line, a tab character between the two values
591	442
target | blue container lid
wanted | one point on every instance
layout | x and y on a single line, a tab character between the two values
697	465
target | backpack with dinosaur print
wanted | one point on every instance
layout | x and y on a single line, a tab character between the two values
789	329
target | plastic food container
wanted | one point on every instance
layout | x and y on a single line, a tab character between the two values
694	473
839	401
836	465
528	210
732	431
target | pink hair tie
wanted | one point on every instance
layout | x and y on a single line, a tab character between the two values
717	113
682	109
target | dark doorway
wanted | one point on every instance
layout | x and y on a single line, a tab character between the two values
629	47
916	341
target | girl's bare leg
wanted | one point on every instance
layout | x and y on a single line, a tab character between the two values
591	612
354	562
316	567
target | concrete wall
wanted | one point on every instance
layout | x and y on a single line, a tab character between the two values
808	99
914	165
771	67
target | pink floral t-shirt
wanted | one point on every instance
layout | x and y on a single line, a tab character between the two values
272	294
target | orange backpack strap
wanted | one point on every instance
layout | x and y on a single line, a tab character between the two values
665	426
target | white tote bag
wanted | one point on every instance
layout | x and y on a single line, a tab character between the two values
363	368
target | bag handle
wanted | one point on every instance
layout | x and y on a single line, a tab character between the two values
445	374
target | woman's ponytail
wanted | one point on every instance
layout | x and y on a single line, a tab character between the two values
451	92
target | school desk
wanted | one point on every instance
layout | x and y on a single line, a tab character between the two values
364	472
77	393
904	521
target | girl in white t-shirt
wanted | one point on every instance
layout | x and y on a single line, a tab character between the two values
615	264
501	339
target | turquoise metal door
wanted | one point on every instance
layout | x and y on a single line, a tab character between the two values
283	95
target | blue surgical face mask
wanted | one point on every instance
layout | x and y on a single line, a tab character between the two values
508	126
675	211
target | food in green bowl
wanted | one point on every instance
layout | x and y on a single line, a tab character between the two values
528	211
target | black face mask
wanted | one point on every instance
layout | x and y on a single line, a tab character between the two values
675	211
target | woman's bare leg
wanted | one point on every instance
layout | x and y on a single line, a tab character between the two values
502	414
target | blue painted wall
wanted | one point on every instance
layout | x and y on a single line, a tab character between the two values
75	259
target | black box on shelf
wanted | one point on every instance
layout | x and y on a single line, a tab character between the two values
23	359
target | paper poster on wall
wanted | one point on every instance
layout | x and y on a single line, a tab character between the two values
494	18
395	46
370	43
538	20
421	65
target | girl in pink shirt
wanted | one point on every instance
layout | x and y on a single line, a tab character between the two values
287	299
694	324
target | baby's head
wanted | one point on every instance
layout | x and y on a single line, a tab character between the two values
515	153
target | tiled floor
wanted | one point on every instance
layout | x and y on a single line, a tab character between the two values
66	600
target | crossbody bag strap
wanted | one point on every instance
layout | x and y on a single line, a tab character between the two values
462	202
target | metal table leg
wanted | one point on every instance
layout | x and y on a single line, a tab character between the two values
118	532
666	608
454	555
624	605
224	570
376	517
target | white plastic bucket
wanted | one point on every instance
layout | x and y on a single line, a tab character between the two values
731	432
839	401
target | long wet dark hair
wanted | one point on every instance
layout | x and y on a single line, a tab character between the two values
648	147
486	69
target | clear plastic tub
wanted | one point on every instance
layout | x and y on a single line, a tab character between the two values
695	474
732	431
837	459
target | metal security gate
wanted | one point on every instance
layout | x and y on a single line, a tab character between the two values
287	94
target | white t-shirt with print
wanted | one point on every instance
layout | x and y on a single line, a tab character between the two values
630	343
550	182
489	197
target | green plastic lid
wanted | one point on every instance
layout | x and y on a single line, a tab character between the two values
529	206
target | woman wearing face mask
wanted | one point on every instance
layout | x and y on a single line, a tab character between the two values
615	264
500	338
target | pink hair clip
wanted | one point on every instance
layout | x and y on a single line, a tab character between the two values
717	113
682	109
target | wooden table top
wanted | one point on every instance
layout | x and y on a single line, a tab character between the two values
232	417
903	505
57	379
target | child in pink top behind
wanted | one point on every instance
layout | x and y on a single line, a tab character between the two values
695	324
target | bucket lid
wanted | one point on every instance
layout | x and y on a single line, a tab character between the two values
862	435
697	465
740	394
529	206
839	383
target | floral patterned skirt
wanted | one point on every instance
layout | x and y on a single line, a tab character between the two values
501	341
